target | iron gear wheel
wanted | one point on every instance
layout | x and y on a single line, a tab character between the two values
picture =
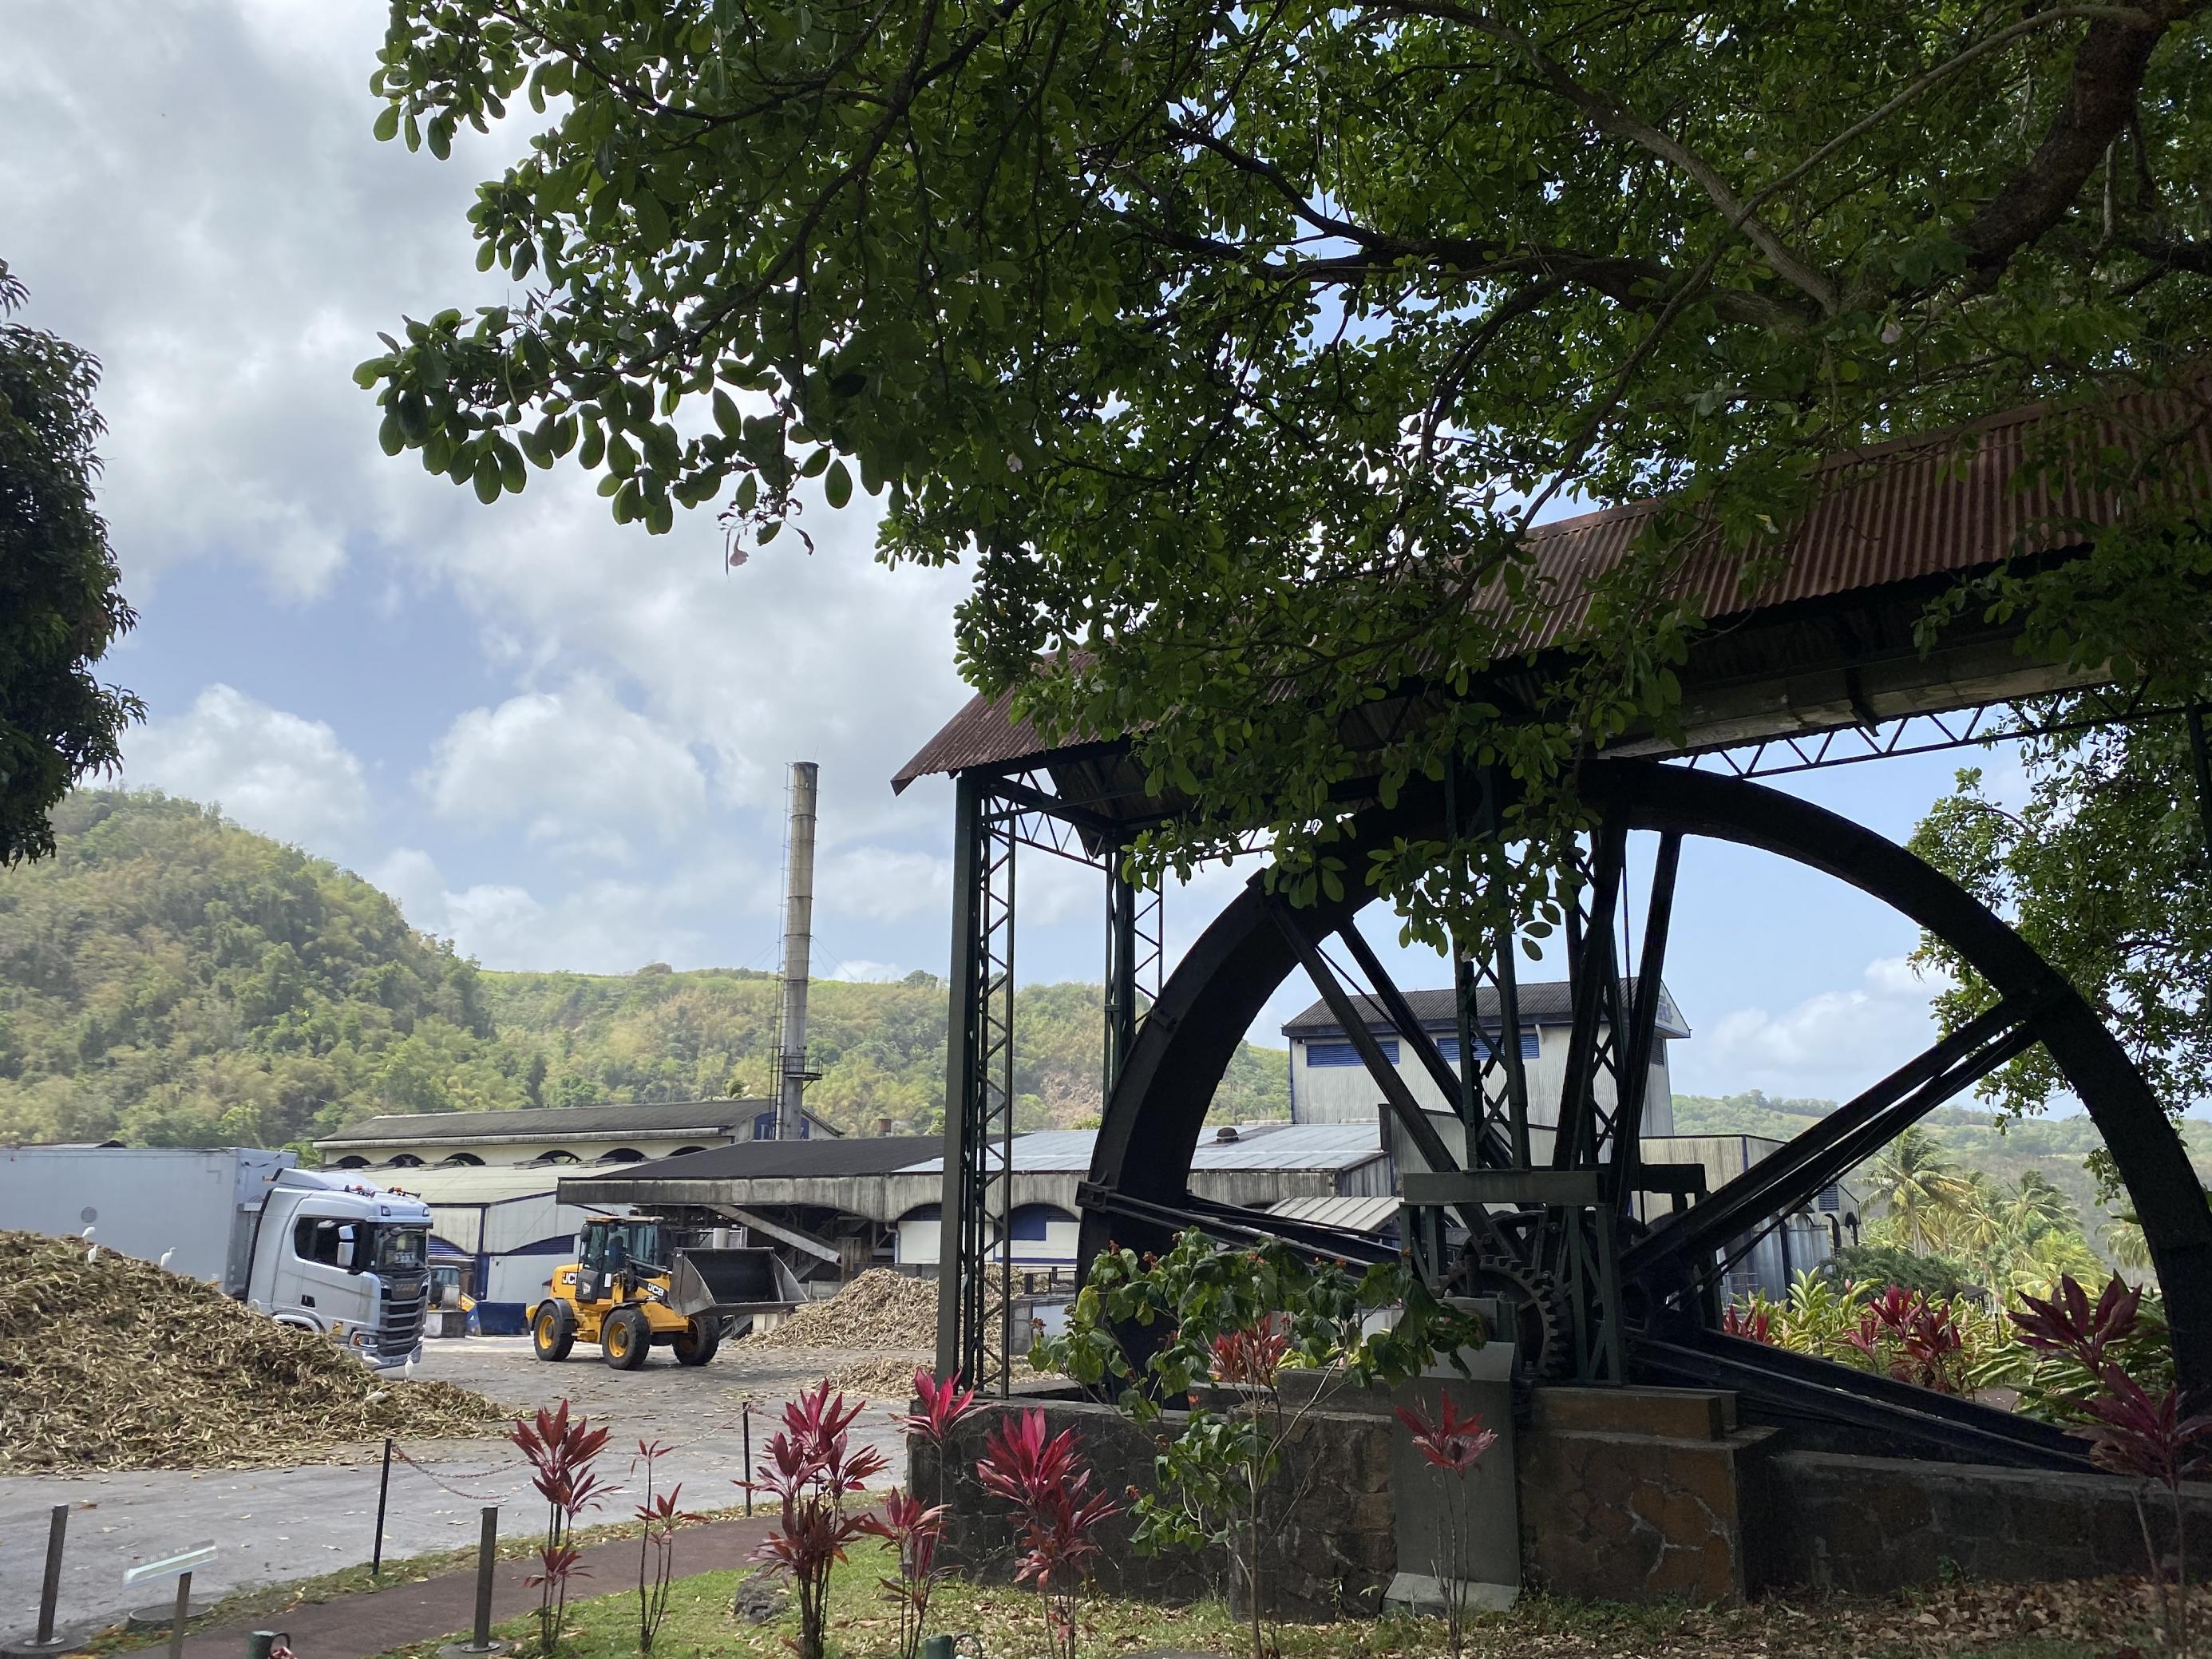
1535	1304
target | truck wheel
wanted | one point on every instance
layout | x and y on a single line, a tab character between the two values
695	1343
625	1339
553	1333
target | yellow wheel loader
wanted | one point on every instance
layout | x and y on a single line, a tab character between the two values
638	1283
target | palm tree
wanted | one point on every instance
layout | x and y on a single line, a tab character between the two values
2037	1207
2125	1240
1917	1180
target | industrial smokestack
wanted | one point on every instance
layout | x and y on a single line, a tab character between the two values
792	1076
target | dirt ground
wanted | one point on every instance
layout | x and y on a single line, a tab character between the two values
273	1525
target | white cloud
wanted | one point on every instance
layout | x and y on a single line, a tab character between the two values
1830	1046
576	766
271	771
877	883
879	973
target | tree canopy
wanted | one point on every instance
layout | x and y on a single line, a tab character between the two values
2106	869
1235	346
60	605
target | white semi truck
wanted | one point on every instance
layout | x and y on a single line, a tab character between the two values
321	1249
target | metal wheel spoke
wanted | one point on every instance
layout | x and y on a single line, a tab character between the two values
1400	1013
1644	1019
1595	989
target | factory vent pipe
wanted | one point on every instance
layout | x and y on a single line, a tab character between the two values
792	1073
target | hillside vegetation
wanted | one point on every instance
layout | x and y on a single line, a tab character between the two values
169	979
2056	1148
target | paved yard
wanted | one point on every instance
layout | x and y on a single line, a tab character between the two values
273	1525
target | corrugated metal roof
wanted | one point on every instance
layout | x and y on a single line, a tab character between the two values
1324	1146
592	1123
1543	1002
771	1160
1357	1215
1942	504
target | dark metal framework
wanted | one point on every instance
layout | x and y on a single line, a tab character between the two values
1557	1220
993	819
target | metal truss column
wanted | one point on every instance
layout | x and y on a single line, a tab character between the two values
1134	958
974	1234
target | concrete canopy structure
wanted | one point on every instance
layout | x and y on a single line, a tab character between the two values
838	1206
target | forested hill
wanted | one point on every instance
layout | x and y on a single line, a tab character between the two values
168	978
2058	1148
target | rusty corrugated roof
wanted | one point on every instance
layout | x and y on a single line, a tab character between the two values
1946	504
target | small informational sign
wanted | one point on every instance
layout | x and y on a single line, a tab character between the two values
170	1566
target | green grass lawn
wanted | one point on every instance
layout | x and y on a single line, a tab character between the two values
1001	1622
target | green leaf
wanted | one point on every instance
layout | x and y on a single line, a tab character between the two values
387	125
838	486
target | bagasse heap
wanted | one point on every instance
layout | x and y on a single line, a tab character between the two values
881	1308
116	1364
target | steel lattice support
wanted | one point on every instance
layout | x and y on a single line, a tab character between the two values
975	1231
1134	957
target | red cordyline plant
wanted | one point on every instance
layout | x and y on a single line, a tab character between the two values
1752	1325
2079	1340
1912	1339
812	1470
2132	1432
918	1532
1047	1481
914	1532
944	1406
1452	1445
658	1518
559	1449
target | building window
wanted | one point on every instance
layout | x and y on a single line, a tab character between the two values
463	1160
622	1155
555	1155
403	1161
351	1161
1343	1053
686	1152
1449	1046
1831	1200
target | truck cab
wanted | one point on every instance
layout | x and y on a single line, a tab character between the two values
347	1259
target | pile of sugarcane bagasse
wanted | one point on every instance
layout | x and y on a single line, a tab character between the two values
107	1362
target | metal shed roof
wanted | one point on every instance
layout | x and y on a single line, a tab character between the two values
1889	517
719	1117
1543	1002
1357	1215
771	1160
1320	1146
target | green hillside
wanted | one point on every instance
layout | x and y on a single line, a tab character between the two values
2058	1148
168	978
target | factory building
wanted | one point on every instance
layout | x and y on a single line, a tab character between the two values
1329	1083
554	1136
837	1208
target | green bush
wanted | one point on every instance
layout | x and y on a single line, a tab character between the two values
1940	1278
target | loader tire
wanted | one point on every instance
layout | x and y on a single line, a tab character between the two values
553	1333
695	1344
625	1339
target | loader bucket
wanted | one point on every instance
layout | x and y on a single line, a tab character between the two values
720	1282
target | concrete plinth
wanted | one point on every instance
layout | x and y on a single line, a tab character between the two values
1637	1494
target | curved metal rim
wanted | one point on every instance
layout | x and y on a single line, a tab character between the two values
1151	1126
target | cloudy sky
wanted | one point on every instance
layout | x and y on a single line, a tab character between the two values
561	744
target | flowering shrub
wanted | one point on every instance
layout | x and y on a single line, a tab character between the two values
560	1450
812	1471
1235	1324
1909	1338
1452	1445
2078	1340
1048	1482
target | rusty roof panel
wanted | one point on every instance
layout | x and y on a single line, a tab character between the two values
1939	506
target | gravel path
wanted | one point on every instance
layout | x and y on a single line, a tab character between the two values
275	1525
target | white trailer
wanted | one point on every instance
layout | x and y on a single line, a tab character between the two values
324	1251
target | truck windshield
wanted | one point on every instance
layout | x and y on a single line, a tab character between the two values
399	1250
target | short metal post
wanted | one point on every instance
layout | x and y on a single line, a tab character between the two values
487	1554
50	1587
261	1644
383	1491
181	1617
745	1420
480	1640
